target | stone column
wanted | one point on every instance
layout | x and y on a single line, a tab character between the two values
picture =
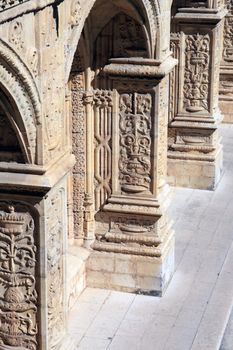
194	149
226	71
33	231
134	246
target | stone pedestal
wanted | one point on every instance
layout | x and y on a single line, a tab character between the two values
134	244
226	69
194	149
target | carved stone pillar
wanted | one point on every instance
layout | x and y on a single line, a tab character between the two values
33	231
134	244
226	71
194	149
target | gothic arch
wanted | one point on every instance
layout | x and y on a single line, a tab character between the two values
19	90
147	12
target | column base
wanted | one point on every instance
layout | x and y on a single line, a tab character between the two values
132	273
200	172
76	273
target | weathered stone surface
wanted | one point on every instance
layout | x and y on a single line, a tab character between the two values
85	146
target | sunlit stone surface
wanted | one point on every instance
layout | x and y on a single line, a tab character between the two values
103	105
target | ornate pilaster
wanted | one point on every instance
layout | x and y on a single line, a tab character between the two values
226	71
54	206
194	150
130	170
33	232
19	300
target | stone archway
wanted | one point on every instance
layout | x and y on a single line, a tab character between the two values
119	135
19	92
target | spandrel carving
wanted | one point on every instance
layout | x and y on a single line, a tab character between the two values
18	296
16	35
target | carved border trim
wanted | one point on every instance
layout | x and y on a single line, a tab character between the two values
17	79
24	74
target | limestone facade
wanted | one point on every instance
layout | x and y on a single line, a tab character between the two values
102	103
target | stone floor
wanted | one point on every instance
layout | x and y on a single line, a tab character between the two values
195	309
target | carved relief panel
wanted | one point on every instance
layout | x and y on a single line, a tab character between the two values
175	45
124	148
103	114
56	230
18	265
198	49
199	56
228	34
127	222
196	73
78	143
135	142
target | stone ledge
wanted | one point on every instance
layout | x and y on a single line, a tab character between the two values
28	180
19	9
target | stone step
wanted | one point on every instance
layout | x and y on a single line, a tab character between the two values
76	273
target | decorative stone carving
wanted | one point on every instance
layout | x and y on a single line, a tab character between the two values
162	133
194	113
122	37
196	80
78	144
102	153
226	81
135	142
18	296
17	79
55	248
24	75
16	34
228	39
5	4
173	78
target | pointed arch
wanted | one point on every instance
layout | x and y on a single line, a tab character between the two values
20	100
147	12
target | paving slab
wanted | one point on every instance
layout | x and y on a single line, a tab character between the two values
194	312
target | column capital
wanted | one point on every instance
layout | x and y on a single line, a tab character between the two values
140	67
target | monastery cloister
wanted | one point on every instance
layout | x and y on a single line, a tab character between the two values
113	114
